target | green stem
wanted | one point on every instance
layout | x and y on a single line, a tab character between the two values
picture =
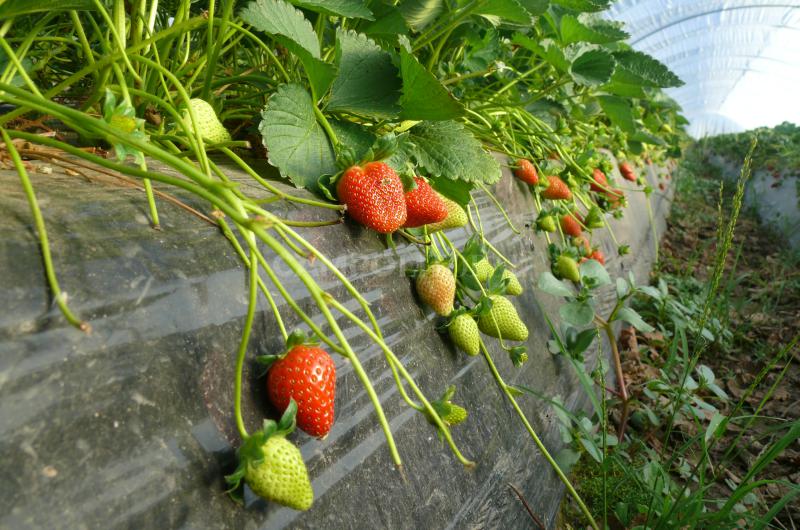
240	355
510	396
393	360
52	280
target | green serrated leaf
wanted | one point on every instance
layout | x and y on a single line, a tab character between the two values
591	65
354	136
320	74
547	49
367	82
510	10
633	318
585	29
278	17
343	8
618	111
447	149
419	13
646	138
296	144
621	88
583	6
389	21
552	285
645	69
598	274
576	313
535	7
424	97
455	190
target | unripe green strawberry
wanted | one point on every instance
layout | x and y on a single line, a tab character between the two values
456	217
514	288
547	223
209	126
281	476
448	412
454	414
436	287
503	318
463	332
483	270
566	267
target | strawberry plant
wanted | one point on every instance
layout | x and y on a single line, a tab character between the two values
395	115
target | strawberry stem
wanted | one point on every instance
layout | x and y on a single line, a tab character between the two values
505	389
59	297
240	355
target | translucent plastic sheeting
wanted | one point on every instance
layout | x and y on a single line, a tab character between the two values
740	59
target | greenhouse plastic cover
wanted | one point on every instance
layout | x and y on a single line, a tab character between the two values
740	59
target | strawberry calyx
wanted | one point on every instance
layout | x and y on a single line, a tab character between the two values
251	451
450	413
297	337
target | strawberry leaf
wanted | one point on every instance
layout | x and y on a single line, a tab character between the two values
344	8
420	13
455	190
583	6
296	144
583	29
278	17
447	149
367	82
640	68
591	65
424	97
618	111
509	10
535	7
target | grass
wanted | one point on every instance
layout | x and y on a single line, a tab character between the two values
710	442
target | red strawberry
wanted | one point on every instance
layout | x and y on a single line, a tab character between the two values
307	374
661	186
526	172
424	205
557	189
627	172
579	242
374	196
596	255
600	183
571	224
616	198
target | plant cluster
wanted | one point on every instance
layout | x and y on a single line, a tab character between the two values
666	451
387	112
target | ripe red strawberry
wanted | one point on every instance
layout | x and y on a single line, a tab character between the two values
526	172
616	198
557	189
374	196
571	224
596	255
424	205
627	172
308	375
600	183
